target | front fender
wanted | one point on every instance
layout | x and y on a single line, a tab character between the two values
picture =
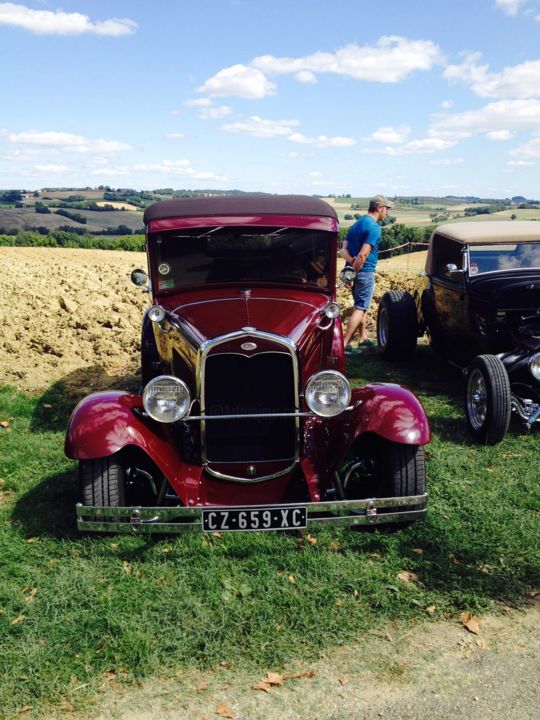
388	410
105	422
384	409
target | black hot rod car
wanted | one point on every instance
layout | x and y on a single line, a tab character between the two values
479	303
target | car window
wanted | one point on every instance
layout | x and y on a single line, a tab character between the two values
500	257
242	255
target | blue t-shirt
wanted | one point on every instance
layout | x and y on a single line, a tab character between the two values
365	230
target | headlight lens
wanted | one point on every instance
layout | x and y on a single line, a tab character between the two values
331	310
534	366
156	313
166	399
328	393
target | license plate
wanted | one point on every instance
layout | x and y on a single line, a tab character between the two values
253	518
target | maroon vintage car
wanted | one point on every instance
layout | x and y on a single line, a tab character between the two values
245	419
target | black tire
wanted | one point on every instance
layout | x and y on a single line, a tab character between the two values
102	482
388	469
488	401
397	325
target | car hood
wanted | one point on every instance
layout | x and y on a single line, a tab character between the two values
269	311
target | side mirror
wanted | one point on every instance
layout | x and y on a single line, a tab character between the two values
452	269
139	277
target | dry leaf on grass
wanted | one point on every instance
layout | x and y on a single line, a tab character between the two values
201	687
311	540
127	567
31	595
271	679
25	709
343	680
431	610
291	579
470	623
18	619
4	424
408	577
223	710
300	675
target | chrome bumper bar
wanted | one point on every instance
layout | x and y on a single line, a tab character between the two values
148	520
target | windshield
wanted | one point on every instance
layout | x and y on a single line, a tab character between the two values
495	258
242	255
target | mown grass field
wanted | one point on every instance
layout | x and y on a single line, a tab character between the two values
76	611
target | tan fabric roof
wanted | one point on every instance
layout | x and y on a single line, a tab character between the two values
491	231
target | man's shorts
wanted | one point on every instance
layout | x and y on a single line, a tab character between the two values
363	288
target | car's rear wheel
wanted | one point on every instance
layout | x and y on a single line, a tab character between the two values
102	482
488	403
383	468
397	325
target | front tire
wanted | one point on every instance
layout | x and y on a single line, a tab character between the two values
386	469
488	403
102	482
397	325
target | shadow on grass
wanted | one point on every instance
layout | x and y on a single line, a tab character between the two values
455	562
48	509
57	403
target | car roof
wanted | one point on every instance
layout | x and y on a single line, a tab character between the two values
239	205
490	231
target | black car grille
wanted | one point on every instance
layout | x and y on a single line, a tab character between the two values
239	385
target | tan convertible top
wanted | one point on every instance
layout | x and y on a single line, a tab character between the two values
491	231
443	248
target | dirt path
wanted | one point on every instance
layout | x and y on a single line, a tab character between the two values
437	671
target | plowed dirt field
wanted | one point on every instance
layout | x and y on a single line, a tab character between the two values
65	310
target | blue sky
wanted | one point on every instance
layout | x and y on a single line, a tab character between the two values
296	96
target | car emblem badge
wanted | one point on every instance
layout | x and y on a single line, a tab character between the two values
251	470
164	269
248	346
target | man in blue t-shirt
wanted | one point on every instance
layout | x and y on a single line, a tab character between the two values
361	251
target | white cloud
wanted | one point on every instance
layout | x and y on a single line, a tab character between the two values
322	141
177	167
306	76
521	163
215	112
499	135
447	104
239	80
447	161
414	147
67	141
293	155
504	115
174	136
198	102
258	127
52	168
391	135
315	174
510	7
45	22
530	149
390	60
518	81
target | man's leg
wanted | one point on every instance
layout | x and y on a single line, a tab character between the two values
356	321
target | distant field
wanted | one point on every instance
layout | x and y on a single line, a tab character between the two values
28	219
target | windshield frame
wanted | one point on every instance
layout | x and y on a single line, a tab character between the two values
155	257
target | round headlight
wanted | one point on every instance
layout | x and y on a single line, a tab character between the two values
156	313
328	393
534	366
166	399
331	310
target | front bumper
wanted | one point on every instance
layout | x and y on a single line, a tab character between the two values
148	520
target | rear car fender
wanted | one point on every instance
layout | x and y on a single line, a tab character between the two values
105	422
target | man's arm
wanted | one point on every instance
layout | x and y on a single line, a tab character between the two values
361	257
344	253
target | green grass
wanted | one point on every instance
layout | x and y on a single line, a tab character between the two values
138	607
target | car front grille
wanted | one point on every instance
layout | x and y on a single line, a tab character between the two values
236	384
